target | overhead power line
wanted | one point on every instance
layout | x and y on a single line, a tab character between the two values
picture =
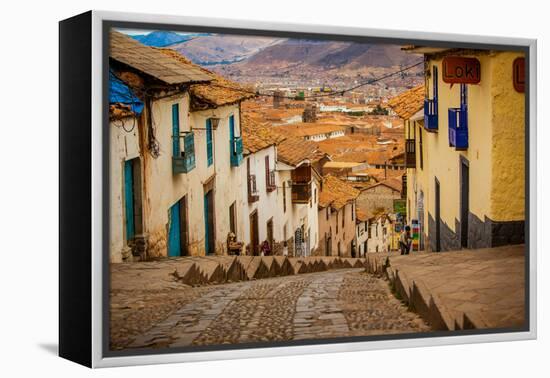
338	92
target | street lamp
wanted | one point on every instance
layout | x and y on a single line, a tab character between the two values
215	122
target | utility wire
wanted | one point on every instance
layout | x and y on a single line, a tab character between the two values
338	92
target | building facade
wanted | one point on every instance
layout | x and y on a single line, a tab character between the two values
466	150
337	222
170	173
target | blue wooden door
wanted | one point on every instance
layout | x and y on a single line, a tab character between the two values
175	130
206	226
209	223
174	233
209	147
129	199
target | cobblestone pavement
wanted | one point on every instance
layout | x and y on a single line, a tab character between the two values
318	305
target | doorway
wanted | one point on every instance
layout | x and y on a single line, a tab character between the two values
270	234
464	201
254	233
437	216
209	241
132	199
178	231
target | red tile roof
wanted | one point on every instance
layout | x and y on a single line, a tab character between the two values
408	103
218	92
336	193
152	62
257	136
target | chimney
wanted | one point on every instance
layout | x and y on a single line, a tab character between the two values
310	113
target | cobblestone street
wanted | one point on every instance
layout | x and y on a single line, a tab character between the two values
328	304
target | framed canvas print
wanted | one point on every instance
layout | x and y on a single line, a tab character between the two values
232	189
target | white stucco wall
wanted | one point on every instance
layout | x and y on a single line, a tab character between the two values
361	234
267	205
124	145
297	214
379	240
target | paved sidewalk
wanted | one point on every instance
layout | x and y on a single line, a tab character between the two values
482	288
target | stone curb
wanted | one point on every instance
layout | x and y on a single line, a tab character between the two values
416	295
207	270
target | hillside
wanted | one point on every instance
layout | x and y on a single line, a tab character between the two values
330	55
222	49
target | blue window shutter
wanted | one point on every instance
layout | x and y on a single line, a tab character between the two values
175	130
209	150
232	135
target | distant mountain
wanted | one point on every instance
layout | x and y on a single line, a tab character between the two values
222	49
164	38
330	55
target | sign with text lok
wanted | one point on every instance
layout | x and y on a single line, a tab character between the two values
519	74
460	70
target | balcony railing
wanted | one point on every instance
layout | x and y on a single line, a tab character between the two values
185	161
253	194
430	115
410	153
270	181
301	192
236	151
458	128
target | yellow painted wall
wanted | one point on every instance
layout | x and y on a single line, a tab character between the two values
508	153
496	126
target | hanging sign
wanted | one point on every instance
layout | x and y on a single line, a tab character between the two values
457	69
519	74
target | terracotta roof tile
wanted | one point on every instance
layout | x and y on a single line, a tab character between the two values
394	183
152	62
219	91
308	129
336	193
408	103
294	150
257	136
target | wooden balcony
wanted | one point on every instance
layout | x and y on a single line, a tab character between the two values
410	153
301	192
184	162
253	194
301	184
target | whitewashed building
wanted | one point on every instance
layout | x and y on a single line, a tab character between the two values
298	180
380	234
190	152
260	218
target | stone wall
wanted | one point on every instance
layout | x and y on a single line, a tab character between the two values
481	234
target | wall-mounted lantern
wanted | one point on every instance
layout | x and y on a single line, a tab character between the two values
215	122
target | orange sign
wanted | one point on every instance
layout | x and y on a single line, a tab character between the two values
457	69
519	74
